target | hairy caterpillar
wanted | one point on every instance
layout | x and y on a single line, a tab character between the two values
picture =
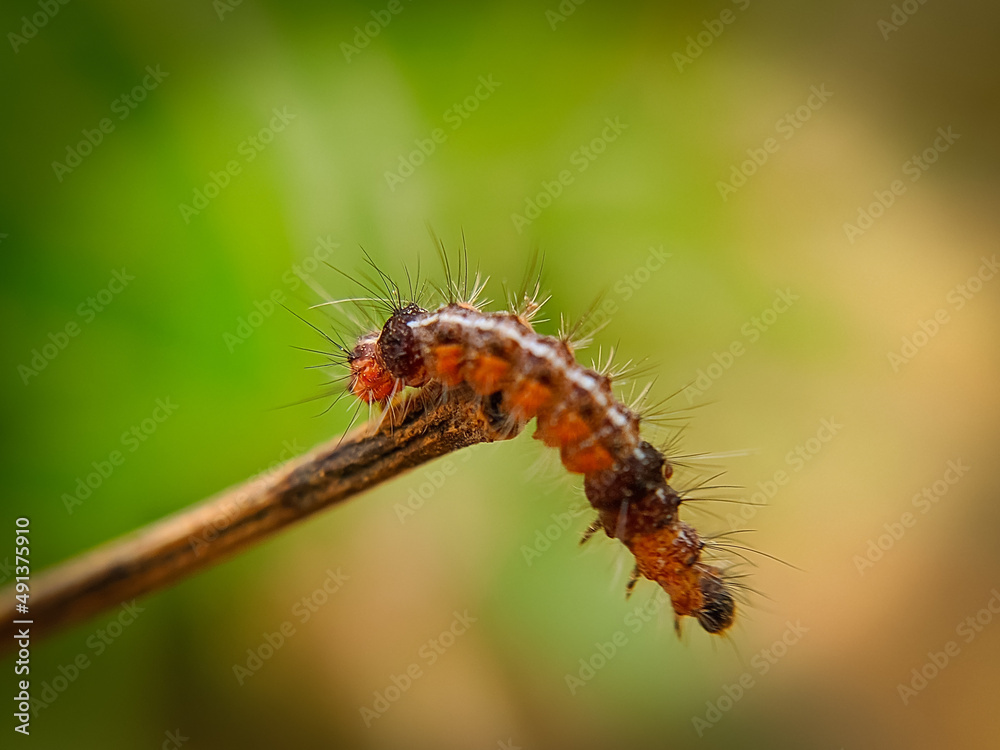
531	376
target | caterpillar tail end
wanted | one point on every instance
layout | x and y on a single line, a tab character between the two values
696	589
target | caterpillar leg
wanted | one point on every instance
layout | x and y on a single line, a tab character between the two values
633	579
594	527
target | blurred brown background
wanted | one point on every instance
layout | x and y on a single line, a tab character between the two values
814	184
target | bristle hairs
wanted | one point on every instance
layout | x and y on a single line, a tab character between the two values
531	376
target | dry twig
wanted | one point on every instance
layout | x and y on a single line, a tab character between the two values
423	428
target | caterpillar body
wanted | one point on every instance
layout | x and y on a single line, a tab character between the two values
532	376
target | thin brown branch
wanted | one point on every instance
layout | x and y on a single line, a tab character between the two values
169	550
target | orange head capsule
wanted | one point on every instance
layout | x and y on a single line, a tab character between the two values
370	381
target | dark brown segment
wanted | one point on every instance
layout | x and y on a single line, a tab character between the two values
718	610
634	478
398	347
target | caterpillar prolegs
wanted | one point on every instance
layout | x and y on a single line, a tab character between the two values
531	376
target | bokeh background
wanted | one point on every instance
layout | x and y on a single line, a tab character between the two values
816	661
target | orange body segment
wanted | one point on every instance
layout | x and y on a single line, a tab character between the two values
586	460
527	398
487	373
565	428
448	363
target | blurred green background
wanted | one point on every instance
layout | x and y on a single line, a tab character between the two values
690	89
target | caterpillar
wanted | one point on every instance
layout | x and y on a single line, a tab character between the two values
528	376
